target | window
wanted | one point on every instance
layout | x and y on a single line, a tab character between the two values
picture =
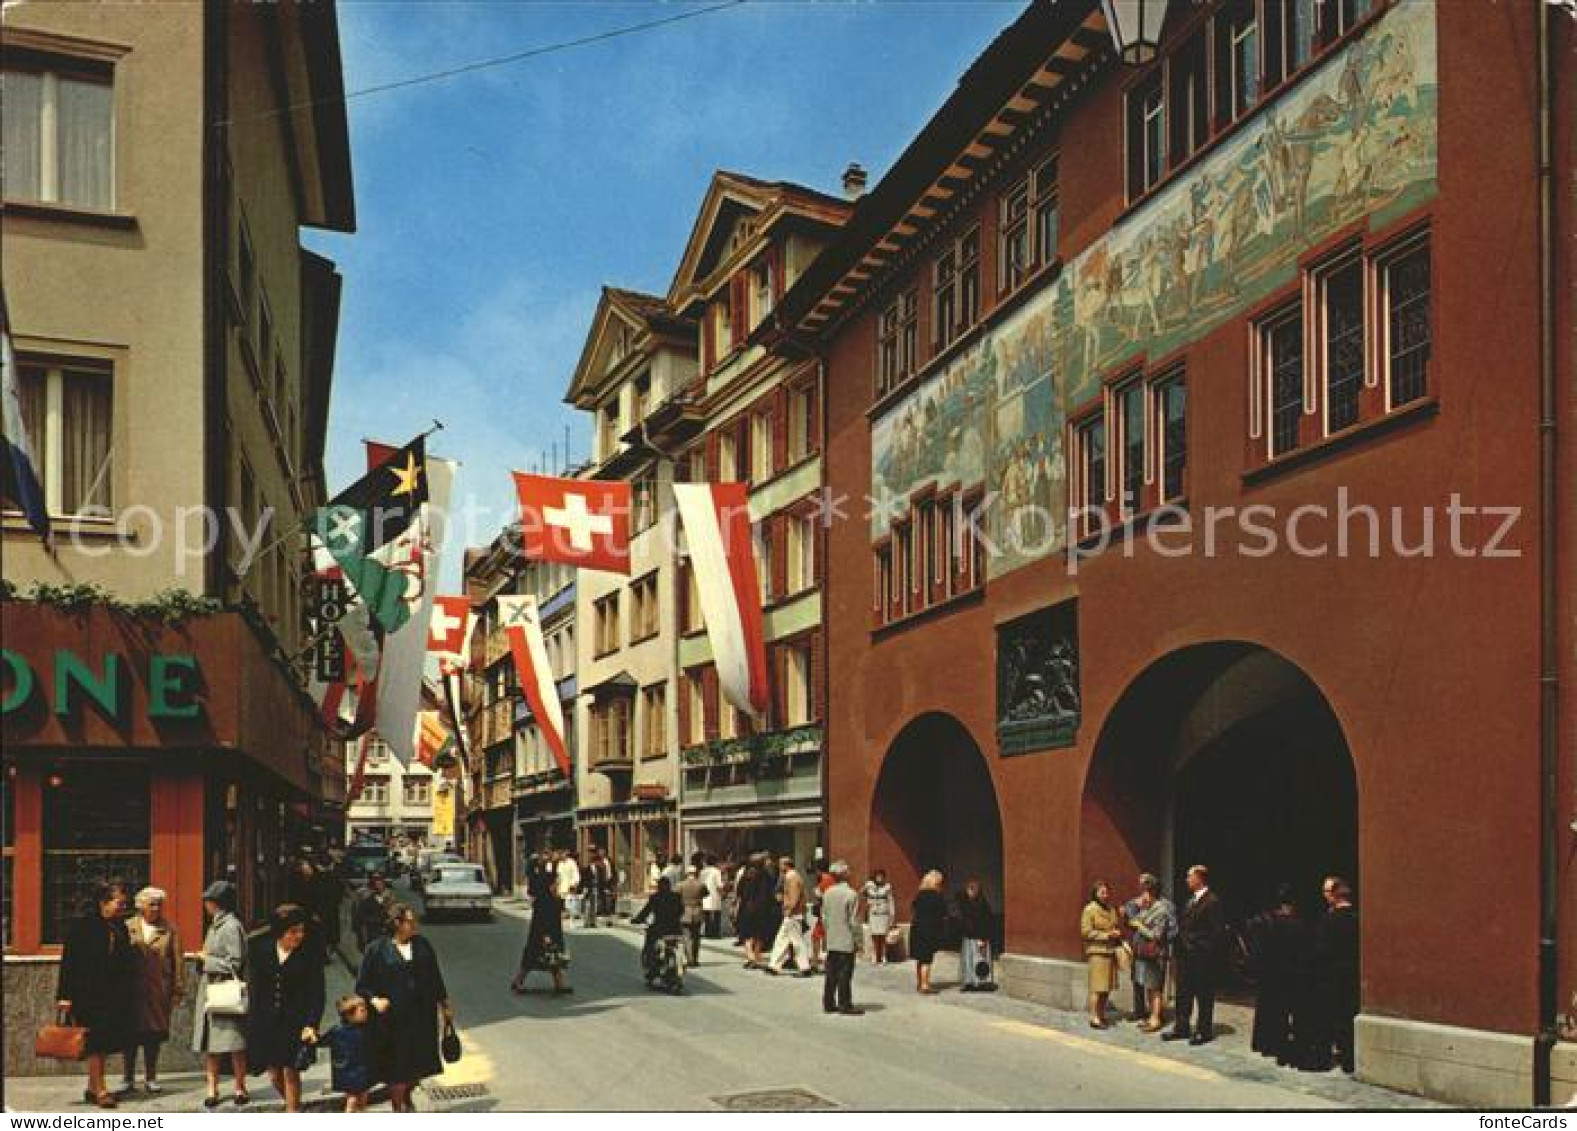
1281	347
1189	110
761	535
377	752
1146	136
1341	307
644	617
801	423
606	615
762	290
1171	410
68	410
801	553
610	730
1015	254
418	791
968	279
654	721
798	697
1405	294
692	599
1044	203
695	695
1130	419
1289	37
1091	447
760	447
944	302
885	582
608	430
59	131
956	288
727	461
898	341
723	325
1237	60
375	791
644	502
1338	17
642	392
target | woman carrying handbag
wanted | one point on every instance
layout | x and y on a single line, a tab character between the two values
219	1021
96	985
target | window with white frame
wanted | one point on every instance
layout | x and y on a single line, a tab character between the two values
654	721
1405	296
1340	288
375	790
1130	446
643	494
1014	253
801	553
1281	362
68	410
798	698
418	791
1043	201
727	463
801	422
1090	448
1146	136
695	695
1171	412
59	133
761	447
606	615
644	614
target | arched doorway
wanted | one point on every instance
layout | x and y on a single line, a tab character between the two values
935	807
1225	754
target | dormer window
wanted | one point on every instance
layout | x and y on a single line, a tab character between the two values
762	287
744	232
643	397
608	429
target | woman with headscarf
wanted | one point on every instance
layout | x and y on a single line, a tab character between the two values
97	979
156	985
223	959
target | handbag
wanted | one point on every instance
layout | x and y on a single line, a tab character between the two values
1147	949
227	998
450	1045
62	1040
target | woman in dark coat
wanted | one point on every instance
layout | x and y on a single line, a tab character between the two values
755	900
1279	950
98	980
285	991
927	928
544	949
401	980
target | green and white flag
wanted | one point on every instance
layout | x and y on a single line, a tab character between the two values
344	532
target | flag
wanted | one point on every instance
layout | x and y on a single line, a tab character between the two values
347	650
392	492
716	519
584	522
19	478
433	739
449	636
523	629
346	533
358	780
451	686
415	554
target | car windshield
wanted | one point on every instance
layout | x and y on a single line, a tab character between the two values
459	875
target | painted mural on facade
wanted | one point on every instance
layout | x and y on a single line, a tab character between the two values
1356	138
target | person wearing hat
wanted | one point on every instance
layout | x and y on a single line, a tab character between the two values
223	958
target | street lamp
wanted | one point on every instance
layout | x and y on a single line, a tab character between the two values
1136	27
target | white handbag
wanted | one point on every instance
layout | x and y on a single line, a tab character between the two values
227	998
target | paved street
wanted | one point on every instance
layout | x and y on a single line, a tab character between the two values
736	1031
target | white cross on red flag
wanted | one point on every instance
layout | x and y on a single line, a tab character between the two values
582	522
449	635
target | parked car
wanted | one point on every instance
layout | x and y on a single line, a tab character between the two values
423	874
458	889
362	860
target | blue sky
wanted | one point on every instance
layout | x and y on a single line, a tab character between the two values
492	206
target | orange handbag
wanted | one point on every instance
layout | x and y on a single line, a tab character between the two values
61	1041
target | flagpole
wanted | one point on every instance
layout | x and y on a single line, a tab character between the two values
301	525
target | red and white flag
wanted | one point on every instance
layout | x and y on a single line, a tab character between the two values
523	629
584	522
449	636
716	519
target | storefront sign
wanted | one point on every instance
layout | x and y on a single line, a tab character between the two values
174	684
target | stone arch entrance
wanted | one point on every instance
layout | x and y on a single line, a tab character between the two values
935	807
1226	754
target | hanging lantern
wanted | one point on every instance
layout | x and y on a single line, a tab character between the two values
1136	27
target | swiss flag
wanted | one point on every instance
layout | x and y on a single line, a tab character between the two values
583	522
450	631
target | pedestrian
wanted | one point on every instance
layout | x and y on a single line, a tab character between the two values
156	958
692	893
285	983
330	897
661	915
712	902
1278	949
1201	954
977	926
927	928
1126	915
568	871
790	937
751	896
97	987
402	981
673	871
597	881
351	1069
878	899
818	931
1101	930
544	948
1153	924
217	1036
372	911
840	916
1335	980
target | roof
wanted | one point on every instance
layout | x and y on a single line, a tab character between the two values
650	314
995	77
320	101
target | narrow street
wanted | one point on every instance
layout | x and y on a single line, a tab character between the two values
613	1044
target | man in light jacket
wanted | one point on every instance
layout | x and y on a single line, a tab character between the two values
692	892
839	918
791	932
712	904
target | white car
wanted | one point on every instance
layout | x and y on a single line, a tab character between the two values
458	889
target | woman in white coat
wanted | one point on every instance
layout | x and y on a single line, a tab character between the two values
223	957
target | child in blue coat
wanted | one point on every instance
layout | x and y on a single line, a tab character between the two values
350	1051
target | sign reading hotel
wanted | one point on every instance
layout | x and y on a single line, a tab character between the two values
1354	140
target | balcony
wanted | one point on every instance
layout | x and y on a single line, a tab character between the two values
755	751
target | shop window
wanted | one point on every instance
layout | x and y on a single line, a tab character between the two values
96	828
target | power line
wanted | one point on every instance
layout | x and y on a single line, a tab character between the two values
498	61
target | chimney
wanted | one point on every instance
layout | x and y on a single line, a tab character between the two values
854	181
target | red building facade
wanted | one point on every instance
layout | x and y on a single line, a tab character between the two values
1265	316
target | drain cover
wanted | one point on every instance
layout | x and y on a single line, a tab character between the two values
775	1099
453	1092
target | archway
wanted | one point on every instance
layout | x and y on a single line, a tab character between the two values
935	807
1225	754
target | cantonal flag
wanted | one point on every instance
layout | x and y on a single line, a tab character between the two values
716	518
582	522
523	628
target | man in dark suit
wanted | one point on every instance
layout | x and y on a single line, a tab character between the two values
1201	953
1336	982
